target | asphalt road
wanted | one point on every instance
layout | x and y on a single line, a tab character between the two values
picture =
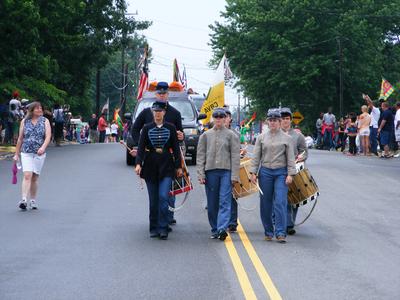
89	238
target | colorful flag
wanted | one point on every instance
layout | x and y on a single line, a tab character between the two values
386	89
144	76
253	117
117	119
184	78
106	106
216	94
176	76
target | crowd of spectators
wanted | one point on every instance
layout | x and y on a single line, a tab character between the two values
65	126
375	130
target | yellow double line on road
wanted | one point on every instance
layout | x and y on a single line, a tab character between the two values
244	281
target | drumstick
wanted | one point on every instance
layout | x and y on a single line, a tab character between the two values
300	155
259	189
125	145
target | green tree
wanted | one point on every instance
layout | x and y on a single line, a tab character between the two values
287	51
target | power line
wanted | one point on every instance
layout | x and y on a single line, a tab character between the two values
179	46
180	26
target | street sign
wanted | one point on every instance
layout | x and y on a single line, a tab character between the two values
297	118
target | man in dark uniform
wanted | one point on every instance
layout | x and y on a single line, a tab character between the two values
172	116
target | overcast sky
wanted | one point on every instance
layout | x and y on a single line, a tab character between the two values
177	26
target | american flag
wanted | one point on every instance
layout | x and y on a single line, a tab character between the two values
144	77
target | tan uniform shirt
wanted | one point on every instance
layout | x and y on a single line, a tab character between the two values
299	143
218	149
273	151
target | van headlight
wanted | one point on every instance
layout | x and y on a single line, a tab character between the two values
190	131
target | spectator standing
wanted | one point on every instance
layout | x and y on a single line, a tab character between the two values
102	126
328	123
373	128
93	133
78	130
397	124
352	133
364	121
58	117
114	132
385	129
341	135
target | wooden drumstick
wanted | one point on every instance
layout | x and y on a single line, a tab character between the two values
259	189
125	145
299	156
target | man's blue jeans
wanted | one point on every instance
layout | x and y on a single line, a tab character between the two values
234	213
274	200
219	197
158	199
328	142
373	132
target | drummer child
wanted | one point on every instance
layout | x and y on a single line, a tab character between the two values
300	154
273	161
218	165
158	167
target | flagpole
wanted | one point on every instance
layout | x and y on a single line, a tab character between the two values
108	109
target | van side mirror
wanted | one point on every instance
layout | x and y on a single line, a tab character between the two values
201	117
128	116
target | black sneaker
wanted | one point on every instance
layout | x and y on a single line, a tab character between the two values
232	228
22	204
154	234
214	236
222	235
163	236
173	222
290	231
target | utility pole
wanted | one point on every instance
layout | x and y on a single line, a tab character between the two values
98	91
340	77
124	67
123	74
238	110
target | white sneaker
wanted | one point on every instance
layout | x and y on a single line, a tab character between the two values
33	204
22	204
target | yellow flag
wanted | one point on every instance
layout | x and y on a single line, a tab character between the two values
216	94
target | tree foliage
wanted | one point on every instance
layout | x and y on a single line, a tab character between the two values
49	49
286	51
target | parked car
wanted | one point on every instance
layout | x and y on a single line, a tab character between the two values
190	121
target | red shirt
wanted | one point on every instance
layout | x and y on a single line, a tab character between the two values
102	124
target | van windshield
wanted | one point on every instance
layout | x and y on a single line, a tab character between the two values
183	106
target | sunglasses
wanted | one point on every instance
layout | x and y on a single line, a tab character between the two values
219	117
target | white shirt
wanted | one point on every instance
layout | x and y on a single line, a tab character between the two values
397	131
114	128
375	114
329	119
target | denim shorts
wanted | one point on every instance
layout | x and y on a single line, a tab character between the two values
385	137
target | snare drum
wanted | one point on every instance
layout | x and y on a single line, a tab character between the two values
303	188
244	187
181	184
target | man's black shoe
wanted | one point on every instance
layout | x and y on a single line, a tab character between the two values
164	236
232	228
154	234
222	235
290	231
